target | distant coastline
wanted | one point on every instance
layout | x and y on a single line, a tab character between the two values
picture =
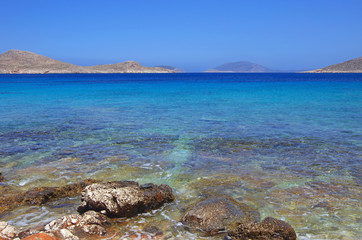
350	66
24	62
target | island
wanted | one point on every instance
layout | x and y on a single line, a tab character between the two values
17	61
351	66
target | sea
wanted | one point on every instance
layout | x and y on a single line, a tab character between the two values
286	144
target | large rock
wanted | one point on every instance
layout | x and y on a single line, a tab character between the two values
91	222
217	214
124	198
269	229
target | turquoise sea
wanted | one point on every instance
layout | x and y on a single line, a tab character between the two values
287	144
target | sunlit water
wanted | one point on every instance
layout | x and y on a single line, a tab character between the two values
287	144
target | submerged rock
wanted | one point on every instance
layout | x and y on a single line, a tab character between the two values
2	179
11	197
41	195
216	214
153	230
269	229
124	198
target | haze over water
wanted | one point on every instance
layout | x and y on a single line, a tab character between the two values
287	144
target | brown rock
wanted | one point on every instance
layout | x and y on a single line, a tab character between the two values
153	230
217	214
2	179
124	198
40	236
269	229
11	198
41	195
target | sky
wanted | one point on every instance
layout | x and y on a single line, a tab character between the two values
194	35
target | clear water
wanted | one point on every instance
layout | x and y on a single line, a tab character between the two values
287	144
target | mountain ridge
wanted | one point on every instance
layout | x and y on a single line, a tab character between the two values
240	66
18	61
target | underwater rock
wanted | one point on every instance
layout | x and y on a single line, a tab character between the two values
324	204
124	198
7	197
41	195
2	179
11	197
269	228
216	214
7	231
153	230
71	226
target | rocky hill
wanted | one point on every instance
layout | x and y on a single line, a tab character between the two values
126	67
351	66
16	61
241	66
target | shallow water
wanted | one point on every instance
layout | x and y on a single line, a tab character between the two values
287	144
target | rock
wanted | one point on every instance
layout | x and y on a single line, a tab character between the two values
40	236
30	231
7	198
41	195
11	198
91	222
124	198
7	231
66	234
269	228
2	179
153	230
216	214
323	204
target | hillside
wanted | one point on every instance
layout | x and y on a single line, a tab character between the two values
351	66
16	61
126	67
241	66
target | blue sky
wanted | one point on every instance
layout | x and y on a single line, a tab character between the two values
193	35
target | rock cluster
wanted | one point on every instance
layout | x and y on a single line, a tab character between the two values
213	215
91	222
115	199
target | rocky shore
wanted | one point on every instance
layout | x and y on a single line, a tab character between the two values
103	204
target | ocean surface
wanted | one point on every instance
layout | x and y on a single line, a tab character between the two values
287	144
